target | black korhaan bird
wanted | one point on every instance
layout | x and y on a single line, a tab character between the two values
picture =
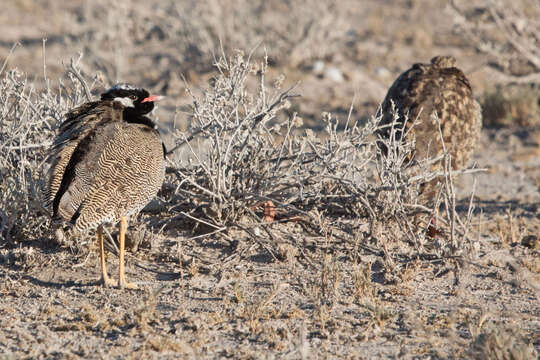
107	164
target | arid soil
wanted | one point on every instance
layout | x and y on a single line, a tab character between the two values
318	296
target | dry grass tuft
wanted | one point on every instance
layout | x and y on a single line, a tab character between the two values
184	37
512	106
501	344
506	33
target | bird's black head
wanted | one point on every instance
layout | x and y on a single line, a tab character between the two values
136	100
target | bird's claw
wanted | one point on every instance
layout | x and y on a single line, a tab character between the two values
128	285
109	282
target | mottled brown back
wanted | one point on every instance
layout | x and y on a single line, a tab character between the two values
441	89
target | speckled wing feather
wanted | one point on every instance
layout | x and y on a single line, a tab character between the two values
438	88
74	143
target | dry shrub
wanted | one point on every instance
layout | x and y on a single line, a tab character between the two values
206	24
502	344
512	106
185	36
28	118
336	184
507	32
235	165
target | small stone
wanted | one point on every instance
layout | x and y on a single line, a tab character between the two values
382	72
318	67
334	74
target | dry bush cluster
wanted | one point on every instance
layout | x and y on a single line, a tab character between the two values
509	35
512	105
208	26
184	37
242	159
508	32
498	342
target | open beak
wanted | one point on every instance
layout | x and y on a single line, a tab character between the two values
152	98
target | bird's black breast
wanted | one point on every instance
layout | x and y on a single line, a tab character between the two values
144	120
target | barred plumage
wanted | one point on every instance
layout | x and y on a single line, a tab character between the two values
107	164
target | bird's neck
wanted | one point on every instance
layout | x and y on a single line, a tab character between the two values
132	116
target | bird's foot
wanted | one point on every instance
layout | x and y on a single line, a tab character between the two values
108	282
123	284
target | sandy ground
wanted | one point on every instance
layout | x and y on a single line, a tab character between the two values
323	298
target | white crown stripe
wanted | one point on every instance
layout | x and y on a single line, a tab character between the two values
124	86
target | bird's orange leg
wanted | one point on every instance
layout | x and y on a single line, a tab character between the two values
122	276
107	281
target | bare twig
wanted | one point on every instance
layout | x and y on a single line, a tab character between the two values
73	69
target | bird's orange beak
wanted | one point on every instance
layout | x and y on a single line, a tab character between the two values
152	98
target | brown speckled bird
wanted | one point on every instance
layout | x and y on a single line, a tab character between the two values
107	164
437	88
